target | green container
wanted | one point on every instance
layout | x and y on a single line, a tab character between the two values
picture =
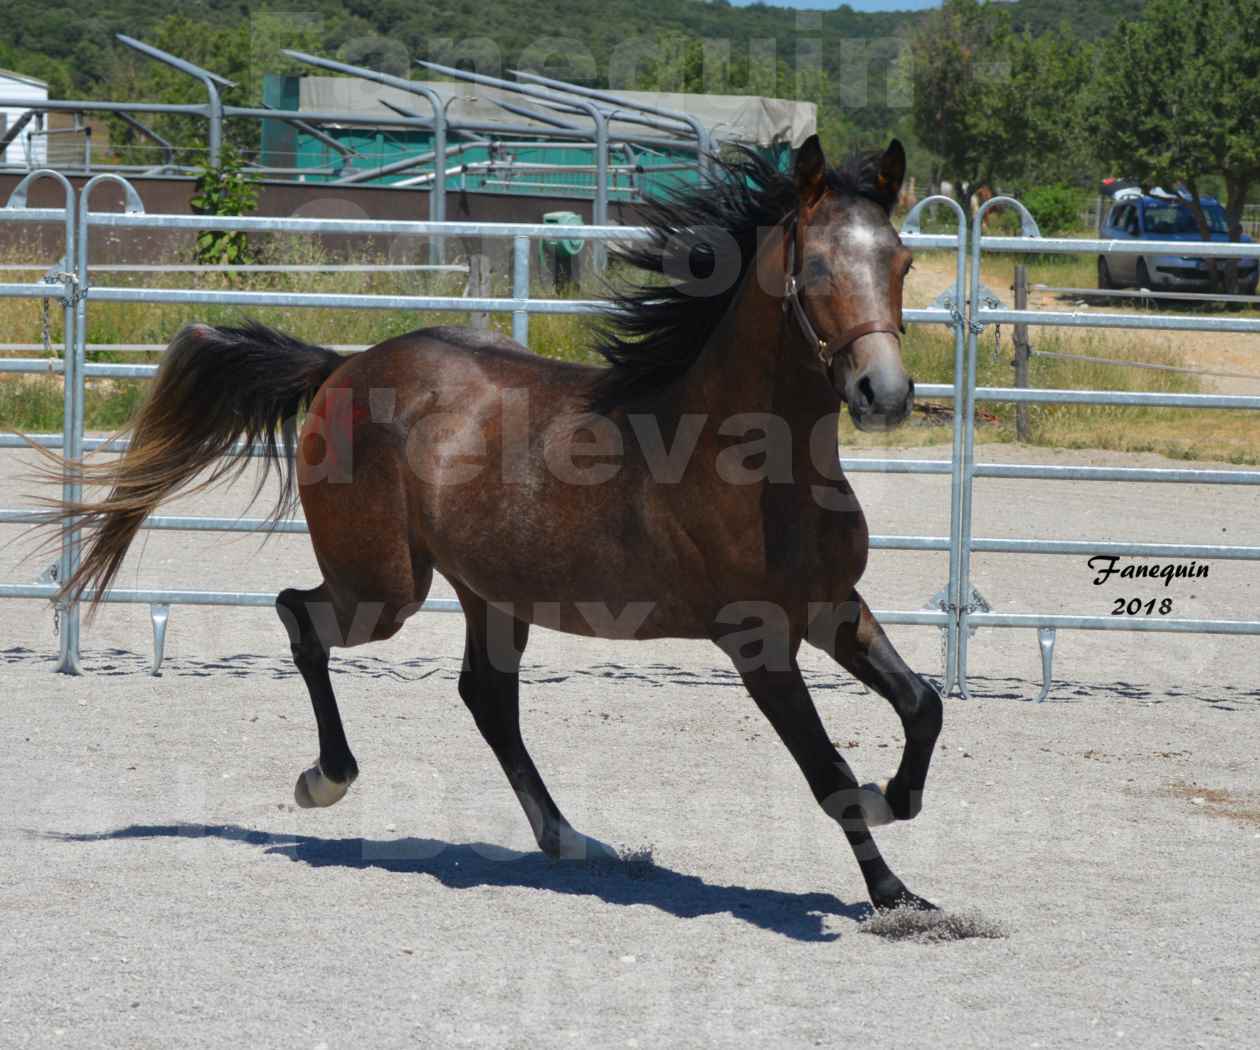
568	247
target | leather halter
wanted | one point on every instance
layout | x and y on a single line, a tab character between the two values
825	349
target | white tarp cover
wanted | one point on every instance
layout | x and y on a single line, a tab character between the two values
730	118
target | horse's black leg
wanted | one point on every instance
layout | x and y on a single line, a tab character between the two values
490	685
329	779
856	640
785	701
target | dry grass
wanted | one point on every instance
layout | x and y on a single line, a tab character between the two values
1227	435
1219	803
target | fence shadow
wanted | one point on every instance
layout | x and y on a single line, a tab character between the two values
458	866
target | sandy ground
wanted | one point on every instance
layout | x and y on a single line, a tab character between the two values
158	888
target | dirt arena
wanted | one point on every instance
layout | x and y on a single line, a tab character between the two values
159	888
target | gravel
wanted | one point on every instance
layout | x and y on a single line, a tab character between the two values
158	887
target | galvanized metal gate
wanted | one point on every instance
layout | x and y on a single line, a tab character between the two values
957	611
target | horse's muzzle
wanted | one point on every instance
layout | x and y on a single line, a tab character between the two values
875	405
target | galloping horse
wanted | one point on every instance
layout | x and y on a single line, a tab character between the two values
690	490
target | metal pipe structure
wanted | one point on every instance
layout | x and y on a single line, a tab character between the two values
68	641
191	109
325	117
315	133
600	210
617	113
75	361
959	612
970	602
211	81
428	124
15	129
704	142
975	612
531	114
519	305
168	150
437	200
953	588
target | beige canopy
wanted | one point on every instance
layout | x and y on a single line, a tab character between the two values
749	119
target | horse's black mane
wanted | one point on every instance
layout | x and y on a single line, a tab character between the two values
653	333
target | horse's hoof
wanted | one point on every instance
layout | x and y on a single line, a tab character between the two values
880	807
875	805
314	790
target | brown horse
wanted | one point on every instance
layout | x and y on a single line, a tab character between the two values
691	490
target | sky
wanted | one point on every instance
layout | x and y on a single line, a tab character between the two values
857	5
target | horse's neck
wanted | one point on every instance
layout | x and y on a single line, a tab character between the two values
756	359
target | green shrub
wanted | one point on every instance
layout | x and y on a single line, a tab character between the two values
225	190
1057	209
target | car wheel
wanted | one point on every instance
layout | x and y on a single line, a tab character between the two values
1104	275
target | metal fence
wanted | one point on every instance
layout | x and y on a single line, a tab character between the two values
973	611
958	611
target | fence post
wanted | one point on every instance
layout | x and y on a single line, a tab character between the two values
1022	351
479	288
520	289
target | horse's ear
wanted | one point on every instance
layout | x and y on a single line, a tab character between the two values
892	173
810	171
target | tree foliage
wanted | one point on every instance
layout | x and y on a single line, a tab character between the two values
1177	95
958	68
224	190
997	107
1036	92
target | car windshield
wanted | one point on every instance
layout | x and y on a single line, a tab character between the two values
1177	218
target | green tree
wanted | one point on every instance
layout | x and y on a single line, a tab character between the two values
1042	113
1175	99
959	63
54	73
243	51
225	190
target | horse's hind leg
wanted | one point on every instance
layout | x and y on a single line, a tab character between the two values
856	640
490	686
331	776
784	700
318	619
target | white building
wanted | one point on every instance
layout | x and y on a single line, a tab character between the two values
24	149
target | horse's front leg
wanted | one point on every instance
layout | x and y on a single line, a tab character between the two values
785	701
855	639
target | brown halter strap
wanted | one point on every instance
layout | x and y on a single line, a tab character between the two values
825	349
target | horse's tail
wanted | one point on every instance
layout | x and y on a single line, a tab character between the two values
217	392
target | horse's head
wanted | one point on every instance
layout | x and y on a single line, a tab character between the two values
846	266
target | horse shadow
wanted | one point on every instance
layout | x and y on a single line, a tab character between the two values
637	879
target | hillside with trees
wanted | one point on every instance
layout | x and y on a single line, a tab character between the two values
1014	95
72	42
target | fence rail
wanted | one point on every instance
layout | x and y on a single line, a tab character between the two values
974	612
957	611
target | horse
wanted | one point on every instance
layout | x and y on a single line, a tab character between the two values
693	483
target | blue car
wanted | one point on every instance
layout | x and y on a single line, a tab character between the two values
1155	217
